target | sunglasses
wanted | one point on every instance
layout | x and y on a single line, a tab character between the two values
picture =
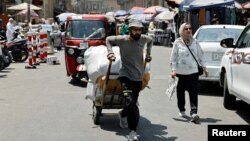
188	28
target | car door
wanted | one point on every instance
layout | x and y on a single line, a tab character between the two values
241	66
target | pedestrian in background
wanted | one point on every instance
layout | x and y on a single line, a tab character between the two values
215	21
184	66
131	73
124	28
10	29
118	26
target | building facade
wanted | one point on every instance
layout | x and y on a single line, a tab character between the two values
128	4
94	6
51	8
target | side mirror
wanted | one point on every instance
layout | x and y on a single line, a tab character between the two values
227	43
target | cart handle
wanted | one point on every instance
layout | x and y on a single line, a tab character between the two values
108	72
145	64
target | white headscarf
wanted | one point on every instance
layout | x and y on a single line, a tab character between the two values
187	39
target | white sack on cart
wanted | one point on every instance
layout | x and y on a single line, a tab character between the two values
95	57
97	63
93	92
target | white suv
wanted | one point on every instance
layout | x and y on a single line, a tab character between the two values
235	69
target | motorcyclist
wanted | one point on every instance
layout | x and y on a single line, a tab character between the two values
131	73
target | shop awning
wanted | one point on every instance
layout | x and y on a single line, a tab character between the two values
197	4
23	6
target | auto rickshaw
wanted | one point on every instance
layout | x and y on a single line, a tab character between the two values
82	32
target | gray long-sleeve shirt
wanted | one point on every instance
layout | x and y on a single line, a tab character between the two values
131	52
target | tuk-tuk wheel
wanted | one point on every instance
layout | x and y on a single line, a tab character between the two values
73	76
96	115
83	83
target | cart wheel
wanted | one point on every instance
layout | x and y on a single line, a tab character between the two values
96	115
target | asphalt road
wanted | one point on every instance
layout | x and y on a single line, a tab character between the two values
43	105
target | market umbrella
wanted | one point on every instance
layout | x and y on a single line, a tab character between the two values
120	13
63	16
110	18
25	12
136	10
23	6
161	9
165	16
110	13
151	10
246	6
144	18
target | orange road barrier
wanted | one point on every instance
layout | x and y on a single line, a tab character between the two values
42	35
30	50
45	49
35	45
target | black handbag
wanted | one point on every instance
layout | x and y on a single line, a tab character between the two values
200	68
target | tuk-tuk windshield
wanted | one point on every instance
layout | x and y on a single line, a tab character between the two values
80	29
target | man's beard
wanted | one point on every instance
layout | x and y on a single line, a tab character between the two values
136	37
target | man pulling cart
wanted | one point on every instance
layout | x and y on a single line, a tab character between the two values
131	76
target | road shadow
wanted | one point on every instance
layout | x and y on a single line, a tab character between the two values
9	68
3	76
78	83
201	120
214	89
210	89
5	71
243	110
146	130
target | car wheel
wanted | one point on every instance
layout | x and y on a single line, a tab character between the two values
229	100
2	66
74	77
22	55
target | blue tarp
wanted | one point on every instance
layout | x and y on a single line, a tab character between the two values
197	4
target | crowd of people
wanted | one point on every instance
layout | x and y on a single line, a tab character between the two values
162	32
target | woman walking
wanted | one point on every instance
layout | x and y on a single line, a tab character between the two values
184	66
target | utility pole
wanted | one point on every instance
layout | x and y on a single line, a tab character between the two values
44	9
28	13
161	3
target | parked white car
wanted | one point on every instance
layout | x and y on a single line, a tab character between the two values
209	37
235	68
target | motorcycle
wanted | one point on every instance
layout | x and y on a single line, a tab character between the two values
5	57
17	46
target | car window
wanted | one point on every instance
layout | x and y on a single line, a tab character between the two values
84	28
217	34
244	40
